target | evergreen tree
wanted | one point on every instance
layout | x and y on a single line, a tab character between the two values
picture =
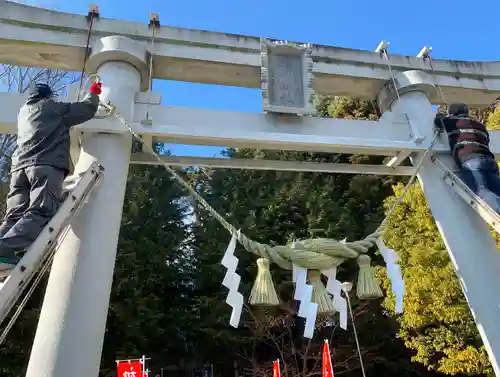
150	310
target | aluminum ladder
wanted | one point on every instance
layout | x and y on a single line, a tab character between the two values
76	189
474	201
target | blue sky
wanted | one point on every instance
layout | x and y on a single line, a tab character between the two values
455	29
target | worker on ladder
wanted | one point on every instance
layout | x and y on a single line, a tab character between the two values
40	164
469	142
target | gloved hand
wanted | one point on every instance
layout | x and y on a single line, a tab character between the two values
96	88
438	122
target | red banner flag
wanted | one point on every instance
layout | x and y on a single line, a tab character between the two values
327	370
132	368
276	368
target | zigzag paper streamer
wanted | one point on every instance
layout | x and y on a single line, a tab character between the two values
391	259
232	282
303	293
307	309
333	287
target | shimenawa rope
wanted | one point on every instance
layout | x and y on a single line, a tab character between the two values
314	254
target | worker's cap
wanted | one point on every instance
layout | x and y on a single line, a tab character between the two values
40	90
458	109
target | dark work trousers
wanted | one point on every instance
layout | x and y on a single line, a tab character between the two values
34	197
481	174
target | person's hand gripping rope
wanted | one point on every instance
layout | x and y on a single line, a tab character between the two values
96	88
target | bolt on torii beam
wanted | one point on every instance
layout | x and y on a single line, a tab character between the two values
72	323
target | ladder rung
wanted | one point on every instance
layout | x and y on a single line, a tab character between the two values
474	201
20	277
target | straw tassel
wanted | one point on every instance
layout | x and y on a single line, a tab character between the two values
319	294
263	291
368	287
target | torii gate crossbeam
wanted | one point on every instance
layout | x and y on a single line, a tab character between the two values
72	323
57	40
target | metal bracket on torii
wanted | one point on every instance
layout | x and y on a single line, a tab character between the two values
93	12
154	25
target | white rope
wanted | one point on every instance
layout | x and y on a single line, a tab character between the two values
151	59
148	112
355	334
386	55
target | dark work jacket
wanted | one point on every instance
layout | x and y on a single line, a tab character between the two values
465	145
43	130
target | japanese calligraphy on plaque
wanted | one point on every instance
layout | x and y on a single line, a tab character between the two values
286	78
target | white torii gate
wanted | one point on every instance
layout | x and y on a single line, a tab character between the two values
72	323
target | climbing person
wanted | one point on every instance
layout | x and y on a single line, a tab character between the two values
40	164
469	143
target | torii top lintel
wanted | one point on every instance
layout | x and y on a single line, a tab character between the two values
31	36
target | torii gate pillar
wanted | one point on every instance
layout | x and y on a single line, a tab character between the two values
466	236
70	332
